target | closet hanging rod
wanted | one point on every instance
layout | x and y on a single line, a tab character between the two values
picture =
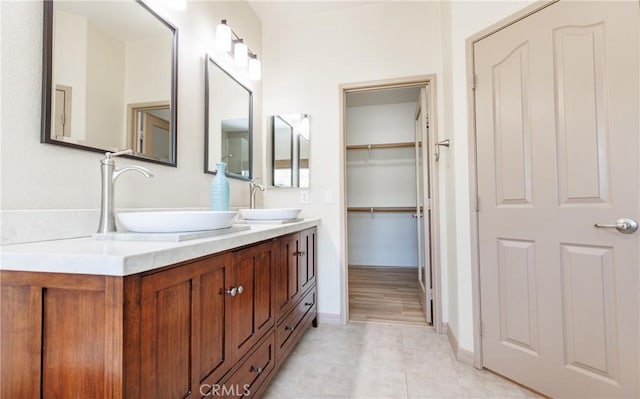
407	209
380	146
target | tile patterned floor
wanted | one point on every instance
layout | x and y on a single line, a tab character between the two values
385	361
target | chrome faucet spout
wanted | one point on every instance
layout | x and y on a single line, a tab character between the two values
144	171
253	188
109	174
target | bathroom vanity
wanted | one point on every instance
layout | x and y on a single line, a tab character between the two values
209	317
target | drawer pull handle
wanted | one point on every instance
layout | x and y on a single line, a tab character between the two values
308	304
257	370
299	253
287	328
232	291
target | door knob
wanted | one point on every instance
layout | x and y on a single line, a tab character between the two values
625	226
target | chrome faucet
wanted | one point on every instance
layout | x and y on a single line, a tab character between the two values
109	175
253	187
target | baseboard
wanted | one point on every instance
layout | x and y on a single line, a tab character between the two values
330	318
462	355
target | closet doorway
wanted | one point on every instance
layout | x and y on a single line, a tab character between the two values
390	187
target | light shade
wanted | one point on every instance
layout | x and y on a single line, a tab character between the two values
240	54
255	72
223	36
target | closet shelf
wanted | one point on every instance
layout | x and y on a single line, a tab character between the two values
384	209
381	146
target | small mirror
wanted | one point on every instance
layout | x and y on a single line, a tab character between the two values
109	78
228	123
290	147
282	152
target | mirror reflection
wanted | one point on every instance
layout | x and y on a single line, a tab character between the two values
228	123
291	148
109	78
304	150
282	152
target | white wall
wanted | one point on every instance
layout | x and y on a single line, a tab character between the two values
37	176
307	57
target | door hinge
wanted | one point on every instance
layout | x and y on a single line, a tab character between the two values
427	204
480	328
474	80
476	205
430	294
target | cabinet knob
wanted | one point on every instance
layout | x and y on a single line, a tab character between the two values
233	291
257	370
287	328
240	289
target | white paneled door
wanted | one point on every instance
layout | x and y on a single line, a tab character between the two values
557	126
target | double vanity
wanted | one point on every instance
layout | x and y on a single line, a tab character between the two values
207	317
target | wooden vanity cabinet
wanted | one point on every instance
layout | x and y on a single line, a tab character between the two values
252	314
197	320
178	332
295	268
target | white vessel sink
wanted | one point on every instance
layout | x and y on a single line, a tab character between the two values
174	221
270	213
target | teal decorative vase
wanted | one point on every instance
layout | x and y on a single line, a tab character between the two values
220	189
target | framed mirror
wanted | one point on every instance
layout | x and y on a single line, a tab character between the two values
282	165
110	79
228	123
290	150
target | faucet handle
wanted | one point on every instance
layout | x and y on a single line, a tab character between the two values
109	155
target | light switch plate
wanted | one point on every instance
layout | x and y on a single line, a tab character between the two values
304	197
328	197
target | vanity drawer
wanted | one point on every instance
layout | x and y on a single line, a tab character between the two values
288	329
252	373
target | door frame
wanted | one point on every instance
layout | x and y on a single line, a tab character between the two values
419	80
473	166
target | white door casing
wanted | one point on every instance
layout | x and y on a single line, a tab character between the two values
557	151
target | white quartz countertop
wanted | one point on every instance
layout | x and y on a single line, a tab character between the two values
123	258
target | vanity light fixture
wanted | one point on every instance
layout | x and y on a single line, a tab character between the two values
240	53
228	41
255	70
223	36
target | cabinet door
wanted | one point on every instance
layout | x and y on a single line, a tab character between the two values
307	258
214	351
287	288
252	307
183	328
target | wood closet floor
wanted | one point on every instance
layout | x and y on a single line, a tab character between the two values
386	294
